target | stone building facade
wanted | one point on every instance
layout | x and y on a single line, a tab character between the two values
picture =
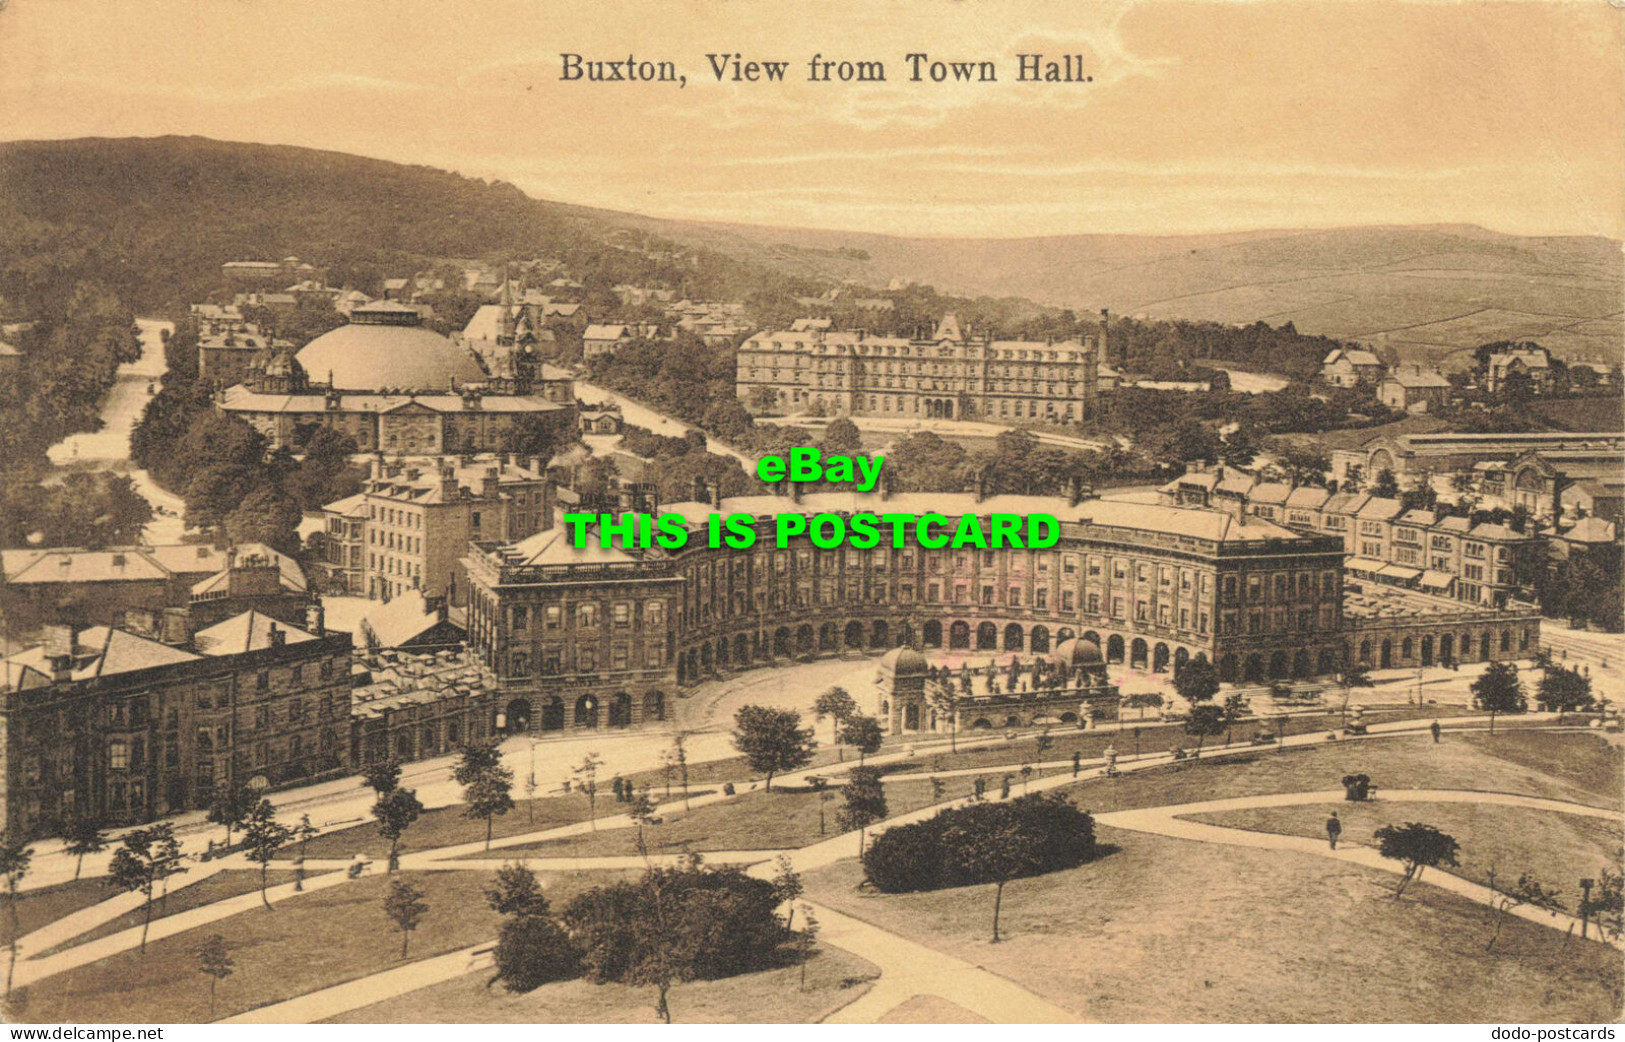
124	729
948	376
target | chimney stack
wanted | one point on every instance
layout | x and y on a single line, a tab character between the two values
279	636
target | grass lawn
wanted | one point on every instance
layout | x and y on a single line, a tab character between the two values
1583	768
1172	931
1555	849
36	908
217	887
834	978
304	944
446	826
762	820
1153	739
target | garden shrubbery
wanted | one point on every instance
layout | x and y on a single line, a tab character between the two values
981	843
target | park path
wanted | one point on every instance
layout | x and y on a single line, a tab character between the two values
31	970
87	919
1172	821
317	1006
908	968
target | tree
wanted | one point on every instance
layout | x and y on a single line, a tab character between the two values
487	785
1418	846
787	887
1235	707
266	515
839	706
395	811
1142	702
807	941
863	733
772	740
1564	689
642	813
588	770
475	760
514	891
1041	745
1386	486
865	802
1197	681
405	905
382	776
16	857
993	850
148	856
230	806
676	924
1206	721
676	759
83	835
841	437
1498	690
1353	675
263	836
1525	891
214	963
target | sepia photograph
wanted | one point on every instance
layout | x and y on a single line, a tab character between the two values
876	512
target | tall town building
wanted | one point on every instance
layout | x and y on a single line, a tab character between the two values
417	516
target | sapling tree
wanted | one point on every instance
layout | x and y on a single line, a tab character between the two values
230	806
1206	721
147	857
865	803
404	905
214	963
16	858
263	836
84	835
487	786
587	769
395	812
863	733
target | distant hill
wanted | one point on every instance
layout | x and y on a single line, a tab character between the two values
155	217
1427	291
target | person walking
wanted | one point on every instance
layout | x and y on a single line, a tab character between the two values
1334	828
1435	729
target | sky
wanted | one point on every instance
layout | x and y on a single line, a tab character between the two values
1200	117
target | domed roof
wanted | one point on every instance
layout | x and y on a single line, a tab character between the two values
1075	651
388	347
905	662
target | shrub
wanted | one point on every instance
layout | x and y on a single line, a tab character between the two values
1048	832
534	950
720	921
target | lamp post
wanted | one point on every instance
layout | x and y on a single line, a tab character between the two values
1585	904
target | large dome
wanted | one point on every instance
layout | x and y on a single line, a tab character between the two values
385	346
